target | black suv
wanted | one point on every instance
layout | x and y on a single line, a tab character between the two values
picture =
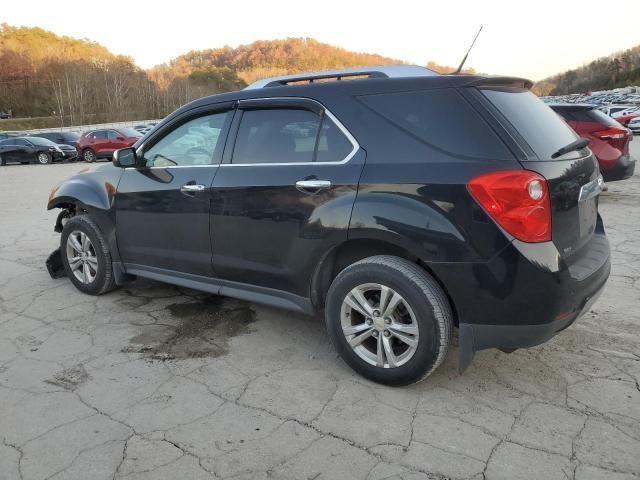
401	202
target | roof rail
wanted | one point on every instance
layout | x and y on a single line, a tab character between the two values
387	71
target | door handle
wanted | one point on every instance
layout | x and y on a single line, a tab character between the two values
312	186
192	188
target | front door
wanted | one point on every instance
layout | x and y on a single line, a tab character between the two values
163	206
284	193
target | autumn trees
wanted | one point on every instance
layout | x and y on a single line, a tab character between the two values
617	70
71	82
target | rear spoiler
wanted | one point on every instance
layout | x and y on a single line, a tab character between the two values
498	81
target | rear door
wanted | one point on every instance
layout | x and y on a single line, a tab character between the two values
23	151
162	208
98	141
113	143
284	193
574	178
8	150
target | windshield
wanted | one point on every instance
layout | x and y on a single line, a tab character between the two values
129	132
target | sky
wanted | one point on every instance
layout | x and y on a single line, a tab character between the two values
533	39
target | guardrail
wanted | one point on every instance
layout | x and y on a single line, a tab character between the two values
84	128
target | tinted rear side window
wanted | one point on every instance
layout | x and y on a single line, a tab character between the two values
276	136
441	118
332	146
288	136
539	126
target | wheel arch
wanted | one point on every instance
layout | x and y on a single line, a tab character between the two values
353	250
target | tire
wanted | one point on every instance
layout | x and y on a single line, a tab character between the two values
88	155
43	158
100	278
423	313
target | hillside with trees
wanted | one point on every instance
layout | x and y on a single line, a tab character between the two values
620	69
67	81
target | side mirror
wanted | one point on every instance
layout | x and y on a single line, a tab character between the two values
125	157
120	138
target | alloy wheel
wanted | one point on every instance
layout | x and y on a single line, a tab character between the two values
379	325
81	256
43	158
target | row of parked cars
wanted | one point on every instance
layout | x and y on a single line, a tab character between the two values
67	146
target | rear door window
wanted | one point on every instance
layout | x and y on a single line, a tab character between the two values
441	118
539	126
99	134
288	135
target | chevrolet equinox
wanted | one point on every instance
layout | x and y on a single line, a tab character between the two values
400	202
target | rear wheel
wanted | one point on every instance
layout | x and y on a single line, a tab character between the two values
43	158
86	257
389	320
88	155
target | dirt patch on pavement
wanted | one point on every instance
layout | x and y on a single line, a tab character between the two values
204	329
70	378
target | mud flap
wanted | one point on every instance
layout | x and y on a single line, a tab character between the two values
54	265
465	347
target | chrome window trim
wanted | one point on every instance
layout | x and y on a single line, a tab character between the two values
216	165
327	112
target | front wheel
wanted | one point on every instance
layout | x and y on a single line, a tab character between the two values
88	156
389	320
86	256
43	158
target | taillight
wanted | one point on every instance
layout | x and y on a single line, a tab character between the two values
614	133
518	200
616	137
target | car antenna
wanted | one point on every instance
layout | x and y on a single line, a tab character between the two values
467	54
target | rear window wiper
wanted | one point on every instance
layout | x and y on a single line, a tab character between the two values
577	145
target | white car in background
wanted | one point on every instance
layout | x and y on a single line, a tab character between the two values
634	125
617	110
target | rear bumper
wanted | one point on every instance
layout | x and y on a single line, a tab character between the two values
525	295
474	338
622	169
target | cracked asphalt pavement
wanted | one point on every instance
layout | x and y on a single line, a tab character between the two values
157	382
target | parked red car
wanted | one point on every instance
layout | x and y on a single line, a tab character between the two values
626	118
102	143
608	139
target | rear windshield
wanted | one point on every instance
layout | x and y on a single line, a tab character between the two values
541	128
441	118
601	117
